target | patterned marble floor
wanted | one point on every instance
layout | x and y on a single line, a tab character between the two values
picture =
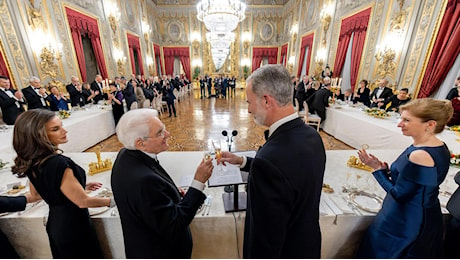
199	121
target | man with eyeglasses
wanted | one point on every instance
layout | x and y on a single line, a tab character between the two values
155	214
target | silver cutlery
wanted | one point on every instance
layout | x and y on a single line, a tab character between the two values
209	204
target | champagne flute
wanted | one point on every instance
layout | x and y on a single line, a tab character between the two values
218	151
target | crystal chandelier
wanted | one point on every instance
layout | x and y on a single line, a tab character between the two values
221	15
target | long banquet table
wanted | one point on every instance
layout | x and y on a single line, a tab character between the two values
85	128
219	234
355	128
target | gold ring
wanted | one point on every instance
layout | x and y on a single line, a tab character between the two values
365	146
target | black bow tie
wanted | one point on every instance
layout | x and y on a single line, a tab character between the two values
266	134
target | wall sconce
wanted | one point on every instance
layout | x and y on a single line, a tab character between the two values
121	60
49	55
146	30
197	63
150	64
294	29
326	17
385	56
113	14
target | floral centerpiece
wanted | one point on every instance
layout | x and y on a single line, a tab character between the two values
455	128
455	159
63	114
378	113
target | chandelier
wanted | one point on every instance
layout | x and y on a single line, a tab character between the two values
221	15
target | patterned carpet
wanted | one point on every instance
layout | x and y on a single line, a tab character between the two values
199	121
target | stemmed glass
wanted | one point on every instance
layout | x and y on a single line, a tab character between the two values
218	151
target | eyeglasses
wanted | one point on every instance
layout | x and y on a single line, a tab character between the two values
159	134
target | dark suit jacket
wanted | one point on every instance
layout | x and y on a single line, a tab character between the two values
33	99
95	87
284	189
320	99
9	204
453	93
154	217
300	93
129	94
386	94
77	98
10	110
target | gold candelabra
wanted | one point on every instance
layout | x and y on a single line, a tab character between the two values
100	165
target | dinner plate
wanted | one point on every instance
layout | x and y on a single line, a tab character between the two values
365	201
97	211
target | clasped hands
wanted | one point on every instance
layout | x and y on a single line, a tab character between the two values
371	161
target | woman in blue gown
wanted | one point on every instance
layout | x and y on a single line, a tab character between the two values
409	225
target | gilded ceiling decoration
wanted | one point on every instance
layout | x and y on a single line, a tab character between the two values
194	2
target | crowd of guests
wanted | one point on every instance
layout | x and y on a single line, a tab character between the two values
283	195
317	95
137	92
223	86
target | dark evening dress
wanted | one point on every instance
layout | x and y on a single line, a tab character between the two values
409	225
70	230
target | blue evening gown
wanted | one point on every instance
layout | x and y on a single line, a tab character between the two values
409	225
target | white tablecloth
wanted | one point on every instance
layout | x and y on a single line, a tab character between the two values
219	234
355	128
85	129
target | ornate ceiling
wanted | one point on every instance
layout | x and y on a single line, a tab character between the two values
194	2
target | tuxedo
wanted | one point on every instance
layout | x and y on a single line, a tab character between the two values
97	86
453	93
10	204
386	94
154	217
34	100
320	102
284	188
77	98
11	107
129	95
301	95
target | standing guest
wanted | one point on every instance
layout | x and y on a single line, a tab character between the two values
202	87
13	204
35	95
77	98
142	102
395	101
96	86
170	99
294	81
321	99
209	84
155	214
381	94
57	100
362	94
453	92
286	175
116	99
11	101
128	93
60	182
232	84
410	224
301	93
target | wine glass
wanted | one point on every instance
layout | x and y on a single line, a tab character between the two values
218	151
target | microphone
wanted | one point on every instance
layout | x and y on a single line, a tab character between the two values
234	133
224	133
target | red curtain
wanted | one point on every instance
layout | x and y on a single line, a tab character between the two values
258	54
307	41
3	67
133	44
445	49
357	25
81	24
283	55
156	50
183	53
